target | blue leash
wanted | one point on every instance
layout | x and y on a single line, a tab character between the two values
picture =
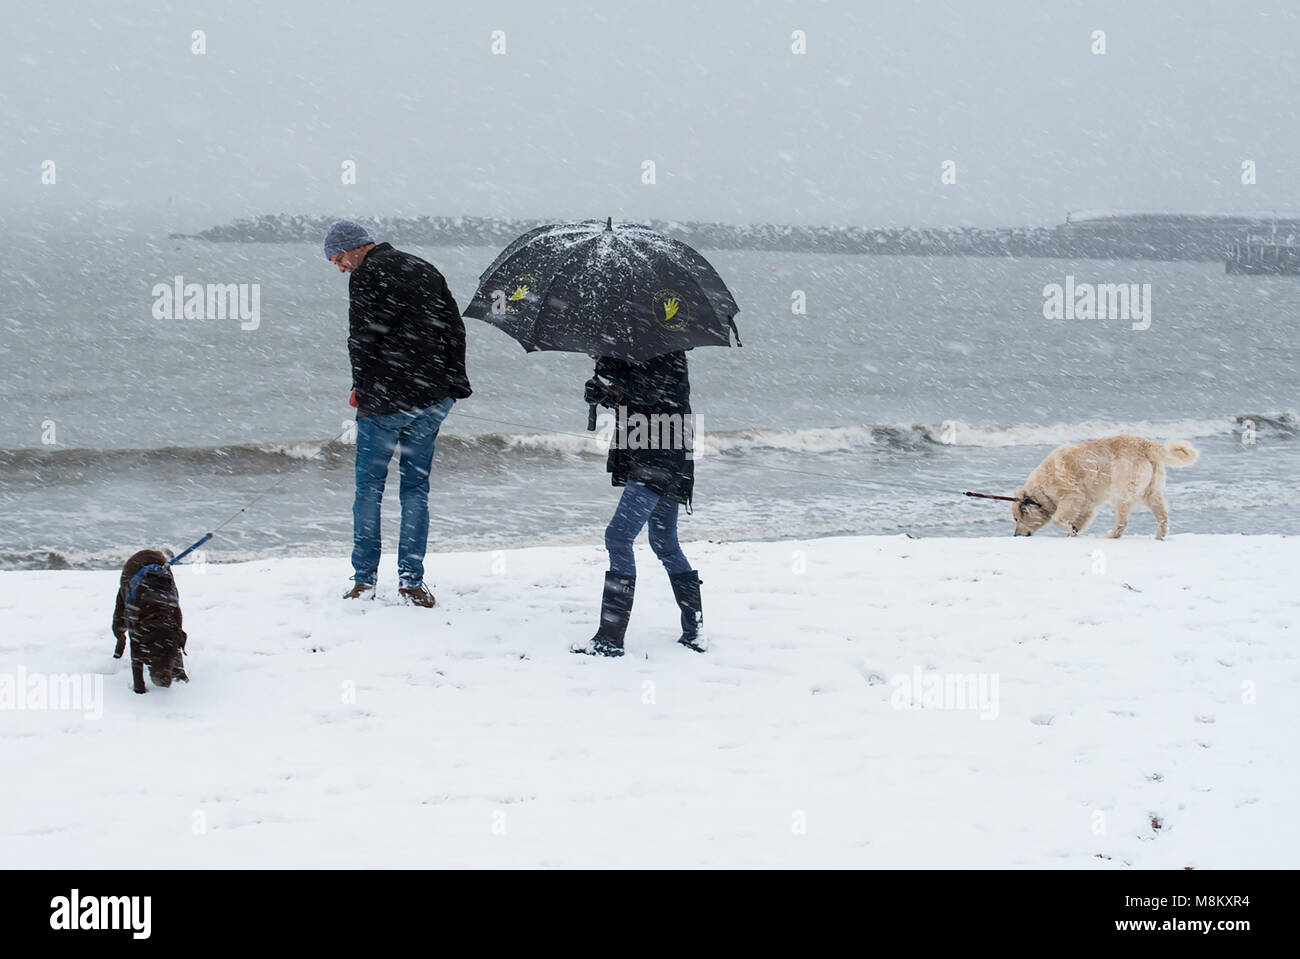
264	492
173	562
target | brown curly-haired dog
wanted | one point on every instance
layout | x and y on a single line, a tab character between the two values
149	611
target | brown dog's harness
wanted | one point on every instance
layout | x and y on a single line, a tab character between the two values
155	573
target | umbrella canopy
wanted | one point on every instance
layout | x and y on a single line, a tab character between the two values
605	289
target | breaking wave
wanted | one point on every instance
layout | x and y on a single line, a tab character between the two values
69	465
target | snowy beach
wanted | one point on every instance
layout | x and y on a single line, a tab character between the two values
1081	703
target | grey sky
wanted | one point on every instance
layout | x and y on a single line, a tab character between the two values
741	129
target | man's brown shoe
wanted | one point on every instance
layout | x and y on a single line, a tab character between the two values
420	596
360	591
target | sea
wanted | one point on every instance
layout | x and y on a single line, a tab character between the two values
870	393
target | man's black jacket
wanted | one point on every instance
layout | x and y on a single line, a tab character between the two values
406	339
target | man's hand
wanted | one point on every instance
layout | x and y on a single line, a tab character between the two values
352	398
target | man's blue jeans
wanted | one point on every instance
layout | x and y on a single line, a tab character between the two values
636	507
377	438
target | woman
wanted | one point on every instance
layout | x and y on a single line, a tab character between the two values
649	456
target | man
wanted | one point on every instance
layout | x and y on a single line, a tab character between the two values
406	342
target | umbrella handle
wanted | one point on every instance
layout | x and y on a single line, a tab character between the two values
591	417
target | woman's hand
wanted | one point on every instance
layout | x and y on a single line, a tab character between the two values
598	392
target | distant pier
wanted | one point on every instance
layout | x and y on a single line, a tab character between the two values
1262	255
1257	244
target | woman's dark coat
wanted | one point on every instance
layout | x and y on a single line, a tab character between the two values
652	401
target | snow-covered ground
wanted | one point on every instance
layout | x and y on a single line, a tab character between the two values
1135	705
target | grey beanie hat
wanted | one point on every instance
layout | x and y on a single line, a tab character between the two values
345	235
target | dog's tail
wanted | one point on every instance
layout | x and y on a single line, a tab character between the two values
1175	453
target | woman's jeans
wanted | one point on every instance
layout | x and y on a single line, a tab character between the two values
377	438
637	507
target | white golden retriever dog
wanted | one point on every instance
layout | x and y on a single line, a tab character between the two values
1068	486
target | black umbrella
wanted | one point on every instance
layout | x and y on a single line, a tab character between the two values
621	290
